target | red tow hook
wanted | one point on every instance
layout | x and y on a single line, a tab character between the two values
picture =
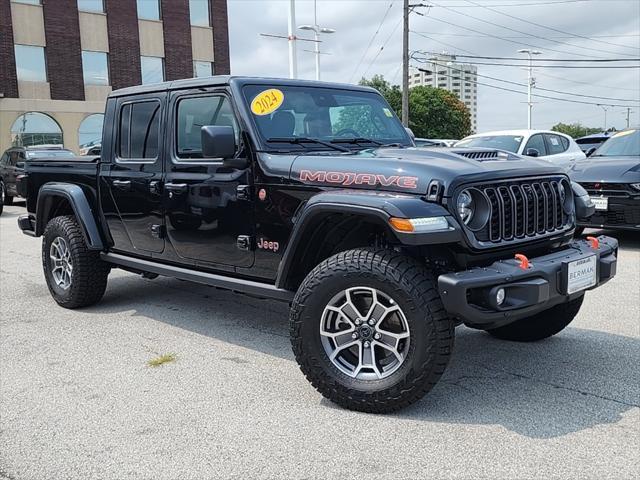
595	243
524	261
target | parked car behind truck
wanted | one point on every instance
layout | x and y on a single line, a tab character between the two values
313	194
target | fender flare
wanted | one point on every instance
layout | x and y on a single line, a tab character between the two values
81	208
378	206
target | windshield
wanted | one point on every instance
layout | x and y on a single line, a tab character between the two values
624	144
50	154
511	143
350	118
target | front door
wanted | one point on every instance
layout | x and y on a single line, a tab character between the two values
133	208
209	219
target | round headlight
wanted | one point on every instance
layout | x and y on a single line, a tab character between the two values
465	206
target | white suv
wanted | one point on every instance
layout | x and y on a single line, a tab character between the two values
555	147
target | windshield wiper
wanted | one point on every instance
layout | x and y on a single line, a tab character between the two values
359	140
303	140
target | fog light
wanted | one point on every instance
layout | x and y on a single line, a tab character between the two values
500	294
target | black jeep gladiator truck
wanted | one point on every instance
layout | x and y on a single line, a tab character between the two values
314	194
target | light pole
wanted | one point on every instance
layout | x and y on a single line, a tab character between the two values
605	108
293	54
317	30
530	81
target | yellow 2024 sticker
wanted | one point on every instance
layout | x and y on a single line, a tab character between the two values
267	101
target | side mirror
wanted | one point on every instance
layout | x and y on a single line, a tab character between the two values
410	132
532	152
590	151
218	141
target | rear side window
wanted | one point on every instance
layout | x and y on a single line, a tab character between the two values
537	142
555	144
4	160
196	112
139	131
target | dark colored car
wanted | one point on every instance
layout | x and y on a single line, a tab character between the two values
313	194
12	165
611	175
589	143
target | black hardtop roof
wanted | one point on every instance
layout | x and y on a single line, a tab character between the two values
220	80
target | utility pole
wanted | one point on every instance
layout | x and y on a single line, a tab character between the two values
406	10
605	108
628	116
405	64
530	82
293	54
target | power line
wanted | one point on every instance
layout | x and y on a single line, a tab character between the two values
420	34
384	17
468	35
578	82
538	88
585	67
597	60
535	94
382	48
493	24
546	27
532	4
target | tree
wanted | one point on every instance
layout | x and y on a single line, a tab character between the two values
575	130
433	112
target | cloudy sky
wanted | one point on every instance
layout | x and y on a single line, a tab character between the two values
576	29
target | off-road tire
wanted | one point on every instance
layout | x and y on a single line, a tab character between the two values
7	200
89	275
413	288
540	326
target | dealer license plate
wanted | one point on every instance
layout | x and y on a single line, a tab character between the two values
581	274
601	203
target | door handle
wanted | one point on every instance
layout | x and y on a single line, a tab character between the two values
122	184
176	187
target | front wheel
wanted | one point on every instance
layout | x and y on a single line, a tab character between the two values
76	276
369	331
542	325
6	198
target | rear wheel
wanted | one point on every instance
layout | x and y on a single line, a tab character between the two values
369	331
542	325
76	276
6	199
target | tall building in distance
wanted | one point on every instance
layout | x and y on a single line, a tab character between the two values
59	59
442	71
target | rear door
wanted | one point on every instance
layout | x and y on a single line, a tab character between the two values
209	217
557	147
133	208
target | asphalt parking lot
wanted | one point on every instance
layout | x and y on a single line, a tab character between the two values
78	400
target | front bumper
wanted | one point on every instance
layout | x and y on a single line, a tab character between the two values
469	295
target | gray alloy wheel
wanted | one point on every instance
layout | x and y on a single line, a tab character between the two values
61	265
365	333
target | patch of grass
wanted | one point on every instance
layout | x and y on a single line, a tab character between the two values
162	359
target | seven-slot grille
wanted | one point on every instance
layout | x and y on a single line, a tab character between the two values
523	209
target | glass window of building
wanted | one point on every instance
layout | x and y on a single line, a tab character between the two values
90	132
149	9
30	2
30	63
35	128
91	6
152	69
202	69
95	68
199	12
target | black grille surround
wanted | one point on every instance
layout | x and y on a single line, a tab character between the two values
521	210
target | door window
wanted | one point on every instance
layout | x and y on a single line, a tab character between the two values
5	159
195	113
555	144
537	142
139	132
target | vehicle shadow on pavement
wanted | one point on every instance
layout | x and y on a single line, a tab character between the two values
575	381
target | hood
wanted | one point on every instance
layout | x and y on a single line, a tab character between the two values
410	170
606	170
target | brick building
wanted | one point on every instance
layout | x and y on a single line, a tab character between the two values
59	59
